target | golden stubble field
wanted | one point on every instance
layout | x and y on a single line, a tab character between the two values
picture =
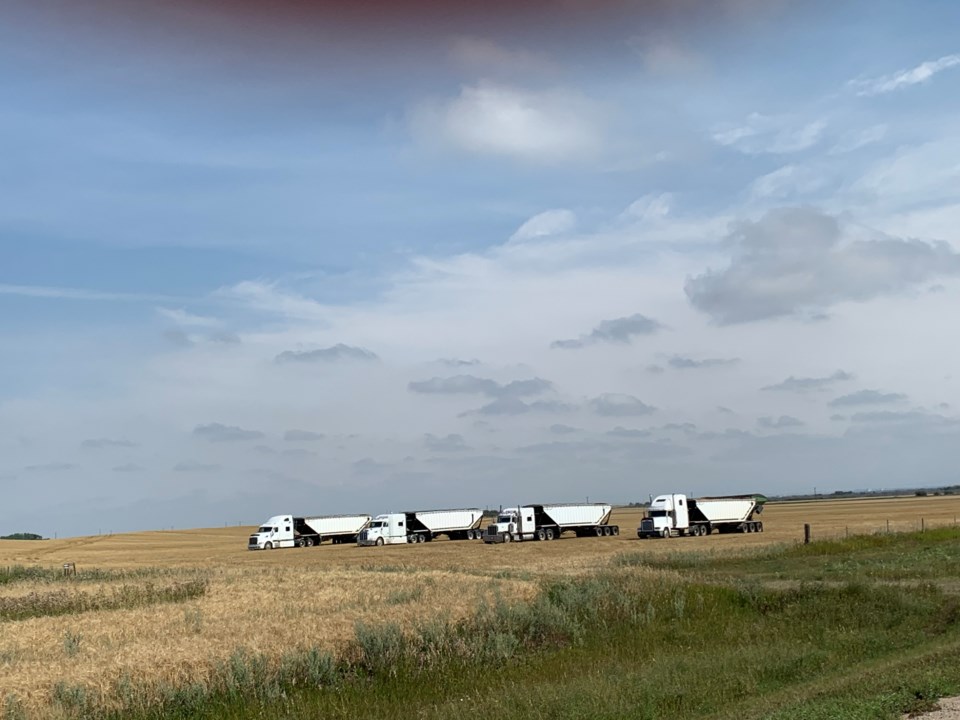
275	601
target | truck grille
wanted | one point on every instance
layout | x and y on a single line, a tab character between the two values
363	536
492	530
646	524
252	542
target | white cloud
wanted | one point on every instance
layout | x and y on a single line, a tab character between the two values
549	222
914	175
180	316
63	293
922	73
488	118
774	135
650	208
268	298
790	181
794	260
858	139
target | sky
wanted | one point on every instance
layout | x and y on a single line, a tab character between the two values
260	258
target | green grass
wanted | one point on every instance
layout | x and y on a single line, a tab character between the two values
724	638
933	555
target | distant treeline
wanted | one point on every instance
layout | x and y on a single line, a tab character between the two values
919	492
22	536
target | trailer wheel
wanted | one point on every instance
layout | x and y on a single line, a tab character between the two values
616	529
607	530
759	526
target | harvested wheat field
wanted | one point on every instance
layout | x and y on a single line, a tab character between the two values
165	607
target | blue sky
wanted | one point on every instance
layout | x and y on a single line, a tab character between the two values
206	226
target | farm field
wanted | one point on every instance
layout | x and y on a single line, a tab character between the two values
156	610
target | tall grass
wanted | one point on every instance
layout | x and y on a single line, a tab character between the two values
38	574
64	602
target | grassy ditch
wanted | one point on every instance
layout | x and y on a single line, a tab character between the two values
932	556
624	642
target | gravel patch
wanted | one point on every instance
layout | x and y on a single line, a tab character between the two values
949	710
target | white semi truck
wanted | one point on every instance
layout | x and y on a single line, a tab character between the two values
546	522
677	515
422	526
282	531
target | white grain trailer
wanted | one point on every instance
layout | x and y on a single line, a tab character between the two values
546	522
282	531
421	526
677	515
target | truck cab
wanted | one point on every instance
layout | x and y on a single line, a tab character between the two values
512	524
389	529
276	532
668	515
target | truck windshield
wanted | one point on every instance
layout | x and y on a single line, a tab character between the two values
376	524
505	518
265	529
658	513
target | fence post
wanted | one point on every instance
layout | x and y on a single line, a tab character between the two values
847	531
888	525
806	533
922	528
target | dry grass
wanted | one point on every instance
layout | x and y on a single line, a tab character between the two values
268	609
276	601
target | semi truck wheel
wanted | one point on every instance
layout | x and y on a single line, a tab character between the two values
549	533
507	537
666	533
268	546
379	541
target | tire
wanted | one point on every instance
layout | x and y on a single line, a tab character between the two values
665	534
598	531
507	538
308	542
608	531
421	538
268	546
541	535
379	542
549	533
616	529
760	526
